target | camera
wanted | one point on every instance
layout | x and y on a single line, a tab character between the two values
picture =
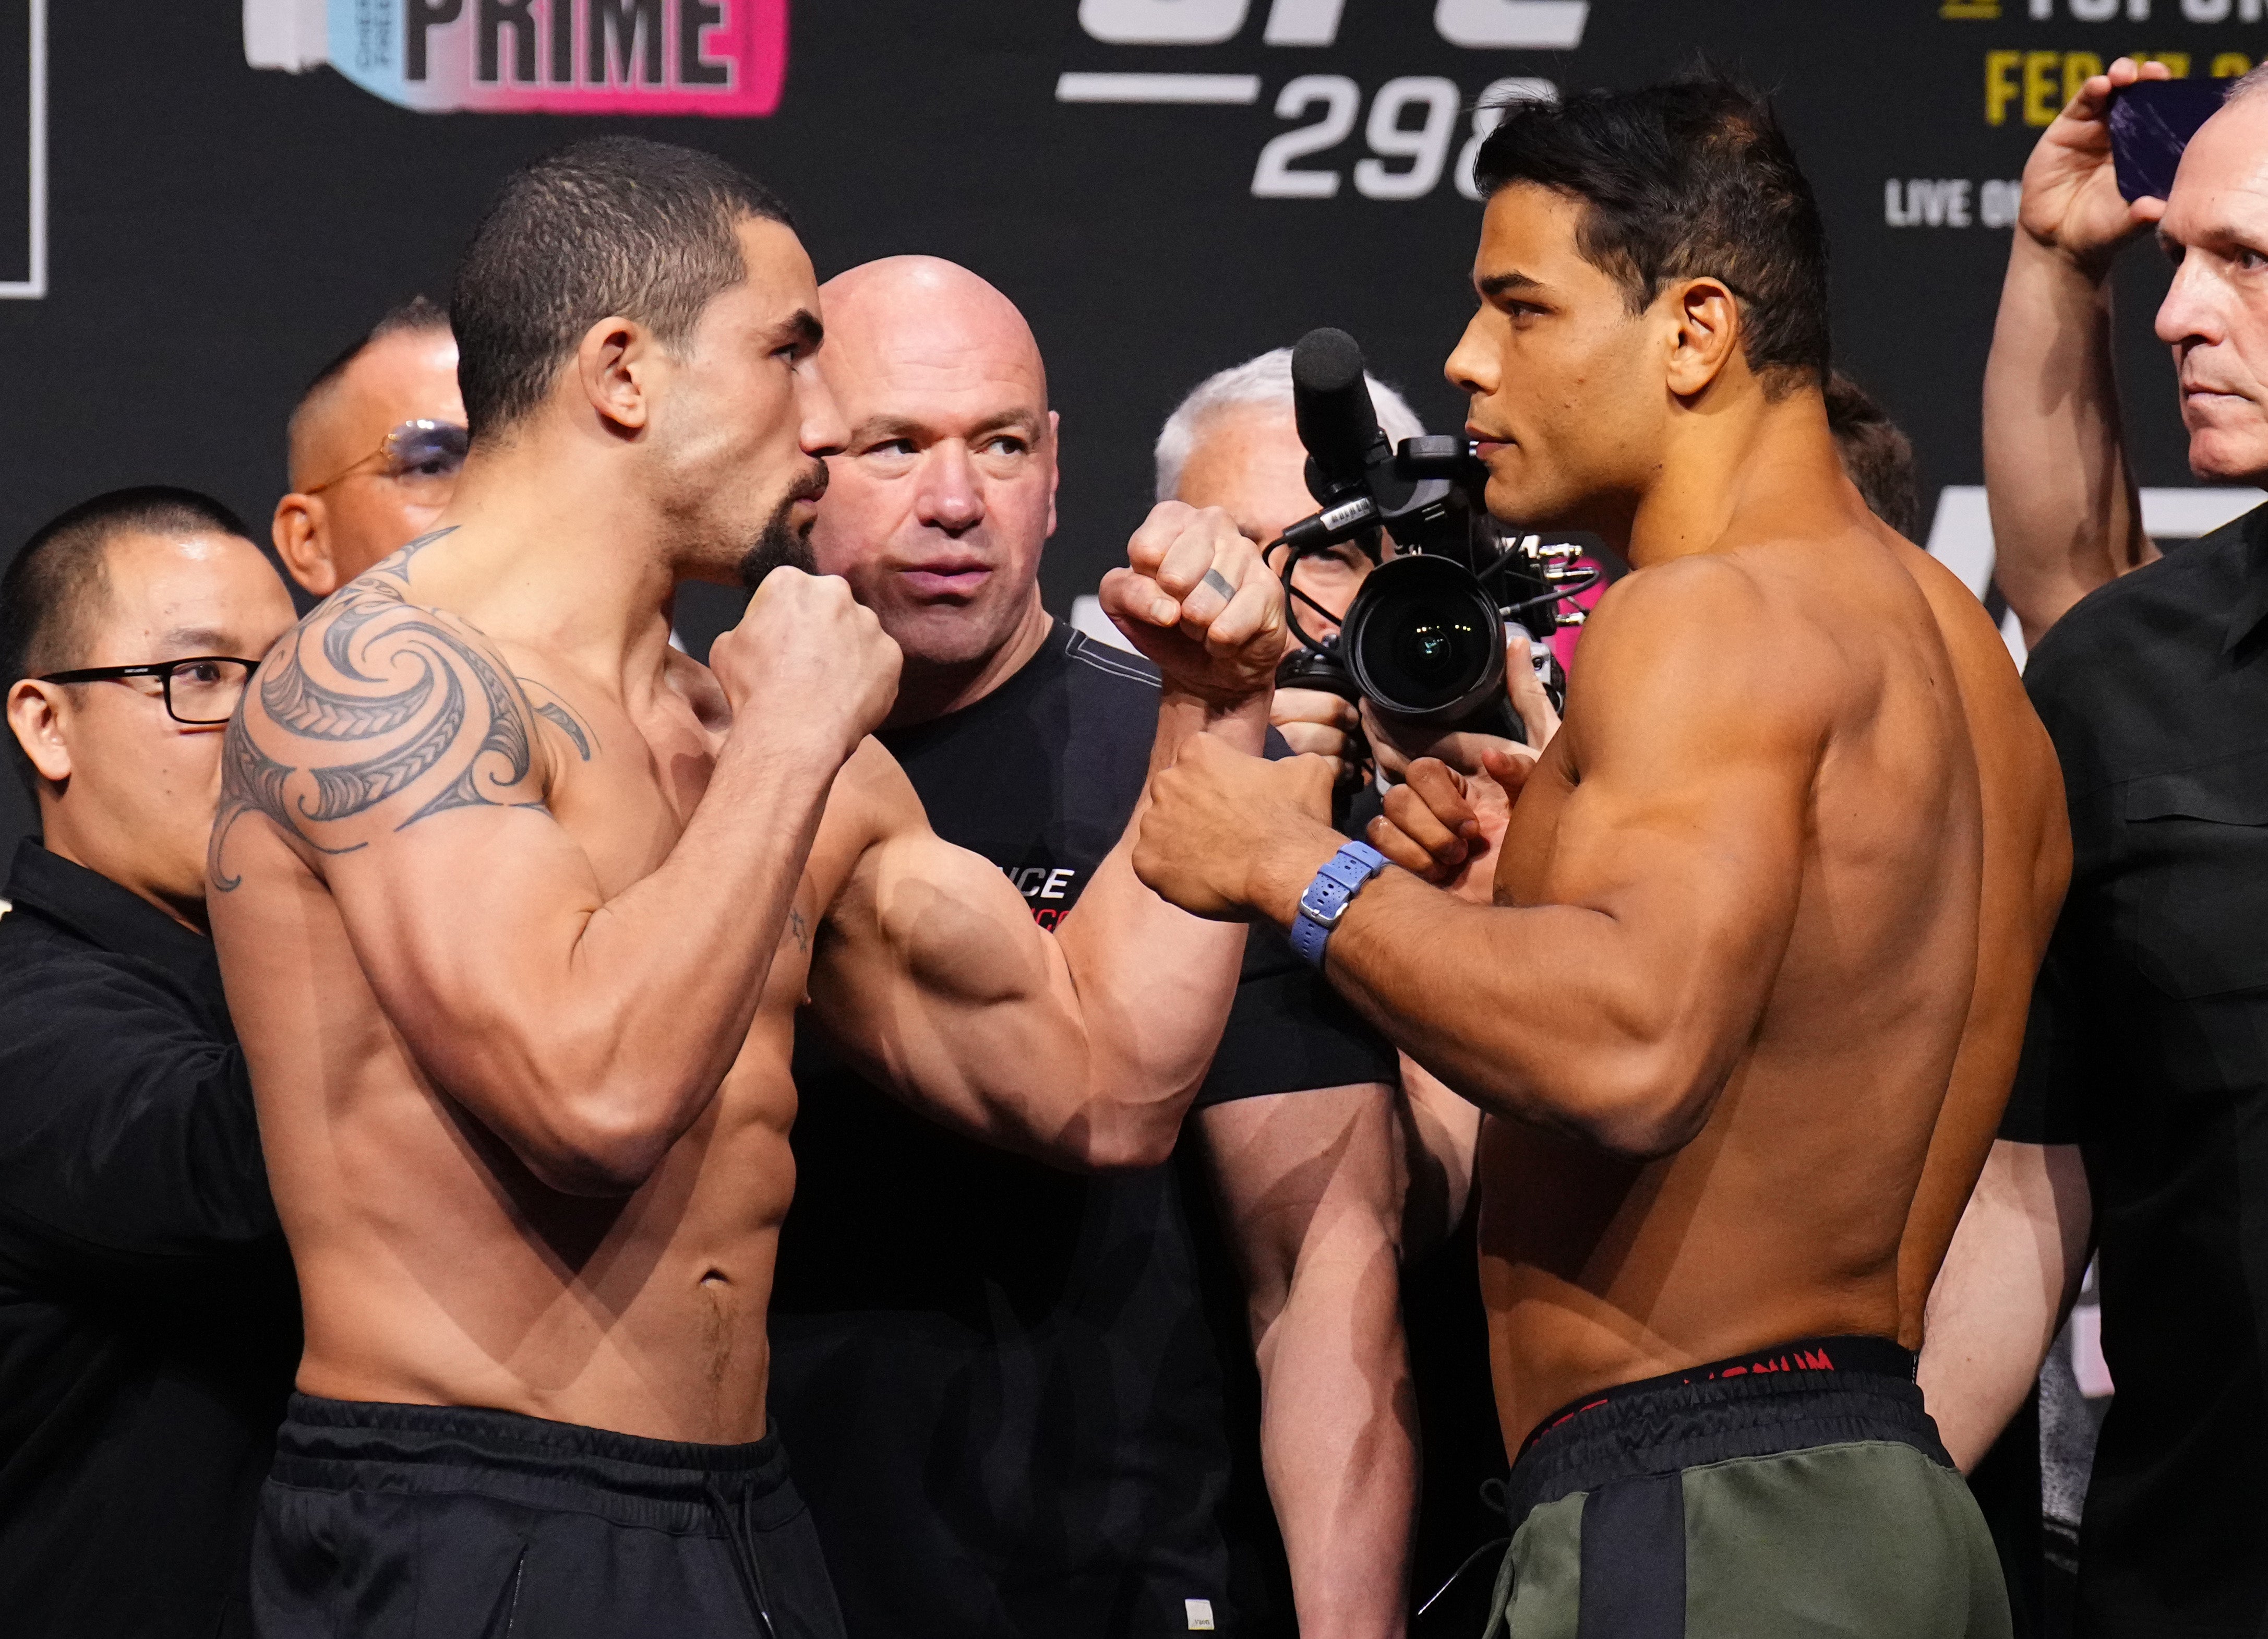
1423	640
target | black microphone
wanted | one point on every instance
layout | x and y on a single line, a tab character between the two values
1330	400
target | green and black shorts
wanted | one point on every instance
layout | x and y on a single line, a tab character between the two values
1801	1491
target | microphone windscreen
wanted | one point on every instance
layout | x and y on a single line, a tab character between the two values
1331	401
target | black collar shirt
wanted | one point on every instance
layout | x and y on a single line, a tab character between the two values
149	1326
2148	1048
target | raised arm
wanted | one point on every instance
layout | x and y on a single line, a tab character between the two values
2066	516
391	748
1615	1006
1083	1047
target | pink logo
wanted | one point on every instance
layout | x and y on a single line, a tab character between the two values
723	58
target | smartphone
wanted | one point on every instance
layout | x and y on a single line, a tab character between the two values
2151	121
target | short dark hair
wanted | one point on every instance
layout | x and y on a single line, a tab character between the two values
615	224
1689	179
416	316
58	581
1876	453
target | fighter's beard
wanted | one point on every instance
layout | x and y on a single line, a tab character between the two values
780	542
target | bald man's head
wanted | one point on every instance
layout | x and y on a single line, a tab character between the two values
944	496
919	308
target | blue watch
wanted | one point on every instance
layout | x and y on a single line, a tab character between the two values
1328	897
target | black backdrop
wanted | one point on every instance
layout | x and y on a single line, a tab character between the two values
214	231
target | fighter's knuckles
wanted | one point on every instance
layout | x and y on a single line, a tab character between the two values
1132	598
1164	526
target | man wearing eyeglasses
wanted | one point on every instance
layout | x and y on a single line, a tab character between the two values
376	443
148	1319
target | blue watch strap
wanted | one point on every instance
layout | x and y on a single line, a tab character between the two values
1327	897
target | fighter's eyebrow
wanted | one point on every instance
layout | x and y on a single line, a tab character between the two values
804	329
1505	284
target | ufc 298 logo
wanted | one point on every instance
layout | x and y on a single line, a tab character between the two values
1416	123
1514	24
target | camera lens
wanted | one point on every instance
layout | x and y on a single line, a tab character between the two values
1435	651
1425	640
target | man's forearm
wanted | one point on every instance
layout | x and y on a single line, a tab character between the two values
1310	1188
2066	512
1437	975
1156	982
2008	1282
1336	1438
677	960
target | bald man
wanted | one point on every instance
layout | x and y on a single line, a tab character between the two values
376	443
1021	1412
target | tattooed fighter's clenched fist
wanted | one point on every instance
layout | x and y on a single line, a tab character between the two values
517	906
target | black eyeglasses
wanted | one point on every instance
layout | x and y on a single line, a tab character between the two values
419	454
200	690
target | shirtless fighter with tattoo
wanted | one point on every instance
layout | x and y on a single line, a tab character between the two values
1741	983
516	907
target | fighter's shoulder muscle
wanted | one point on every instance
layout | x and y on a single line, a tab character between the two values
372	715
1686	646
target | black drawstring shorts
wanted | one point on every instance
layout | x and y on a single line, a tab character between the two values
432	1522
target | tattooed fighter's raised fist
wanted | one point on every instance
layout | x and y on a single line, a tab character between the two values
807	639
516	926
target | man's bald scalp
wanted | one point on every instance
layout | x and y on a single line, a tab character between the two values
921	290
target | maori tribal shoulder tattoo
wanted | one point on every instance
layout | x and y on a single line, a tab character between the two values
375	713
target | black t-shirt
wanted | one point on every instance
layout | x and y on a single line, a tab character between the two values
2148	1048
1009	1405
149	1323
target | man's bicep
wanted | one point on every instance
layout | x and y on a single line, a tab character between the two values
453	922
922	951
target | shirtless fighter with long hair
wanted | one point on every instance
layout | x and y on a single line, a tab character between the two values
1741	986
517	906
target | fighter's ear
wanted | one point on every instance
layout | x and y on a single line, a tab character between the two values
611	370
1706	337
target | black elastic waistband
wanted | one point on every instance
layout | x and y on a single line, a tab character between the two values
1789	1397
1877	1356
342	1445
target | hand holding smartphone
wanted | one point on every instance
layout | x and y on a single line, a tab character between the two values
2151	121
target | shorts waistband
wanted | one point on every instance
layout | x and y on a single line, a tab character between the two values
1792	1396
365	1445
